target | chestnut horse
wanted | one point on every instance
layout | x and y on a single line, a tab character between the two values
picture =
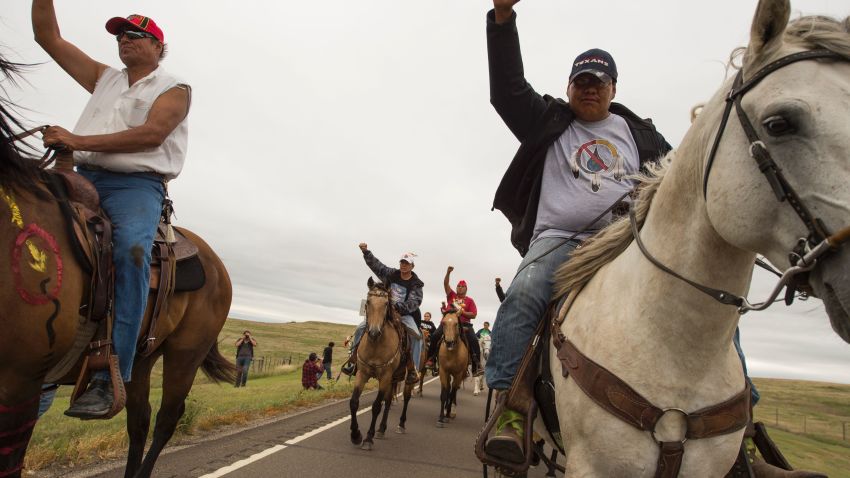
41	286
454	360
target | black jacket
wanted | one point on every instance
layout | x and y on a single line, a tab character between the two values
537	121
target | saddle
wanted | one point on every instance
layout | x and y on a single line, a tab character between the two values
90	234
533	390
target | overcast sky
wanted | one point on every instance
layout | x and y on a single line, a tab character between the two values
319	125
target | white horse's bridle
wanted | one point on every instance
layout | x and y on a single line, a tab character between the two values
804	257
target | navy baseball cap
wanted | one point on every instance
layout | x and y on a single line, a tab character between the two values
596	62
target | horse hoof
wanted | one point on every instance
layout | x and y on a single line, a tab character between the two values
367	445
441	424
400	430
452	415
356	438
475	393
379	435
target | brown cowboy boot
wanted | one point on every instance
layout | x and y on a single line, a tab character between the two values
412	376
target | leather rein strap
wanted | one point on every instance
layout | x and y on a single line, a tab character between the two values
619	399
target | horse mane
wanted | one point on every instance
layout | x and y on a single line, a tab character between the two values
17	167
613	239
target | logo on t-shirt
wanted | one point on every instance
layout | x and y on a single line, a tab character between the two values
597	157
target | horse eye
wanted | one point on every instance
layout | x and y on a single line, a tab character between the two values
778	126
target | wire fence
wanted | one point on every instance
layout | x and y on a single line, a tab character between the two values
805	424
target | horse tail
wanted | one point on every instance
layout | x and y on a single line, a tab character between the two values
217	368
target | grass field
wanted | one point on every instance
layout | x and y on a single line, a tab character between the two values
60	443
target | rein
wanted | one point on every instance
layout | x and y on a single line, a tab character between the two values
805	255
50	155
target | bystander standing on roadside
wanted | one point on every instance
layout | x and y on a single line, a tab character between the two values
327	358
244	355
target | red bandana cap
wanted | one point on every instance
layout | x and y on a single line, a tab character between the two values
117	25
461	283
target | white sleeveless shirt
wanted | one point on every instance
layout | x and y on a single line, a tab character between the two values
115	106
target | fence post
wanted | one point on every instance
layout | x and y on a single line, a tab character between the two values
290	360
777	417
844	430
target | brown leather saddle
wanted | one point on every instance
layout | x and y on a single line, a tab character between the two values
175	266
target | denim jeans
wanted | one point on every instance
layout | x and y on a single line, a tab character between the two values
242	366
754	394
412	332
523	308
134	205
327	366
525	303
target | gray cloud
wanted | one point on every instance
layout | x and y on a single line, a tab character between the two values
318	125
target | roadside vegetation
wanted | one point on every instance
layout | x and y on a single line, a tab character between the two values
61	444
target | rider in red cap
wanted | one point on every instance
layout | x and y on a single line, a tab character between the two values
467	311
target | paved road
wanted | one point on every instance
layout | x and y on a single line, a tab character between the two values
316	444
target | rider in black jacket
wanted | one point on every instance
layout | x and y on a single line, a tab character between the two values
572	163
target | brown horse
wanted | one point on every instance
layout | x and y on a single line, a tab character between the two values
453	360
41	286
378	355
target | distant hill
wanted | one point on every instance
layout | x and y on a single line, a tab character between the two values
296	339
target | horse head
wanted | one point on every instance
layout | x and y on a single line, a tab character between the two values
451	328
377	308
775	179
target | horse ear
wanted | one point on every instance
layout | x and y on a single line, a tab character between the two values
769	24
370	282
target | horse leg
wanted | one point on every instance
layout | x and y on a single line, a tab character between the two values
453	399
376	410
178	374
382	430
138	413
408	392
444	396
17	420
353	406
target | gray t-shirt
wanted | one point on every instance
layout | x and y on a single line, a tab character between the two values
585	172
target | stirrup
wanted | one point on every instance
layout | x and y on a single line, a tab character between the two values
505	467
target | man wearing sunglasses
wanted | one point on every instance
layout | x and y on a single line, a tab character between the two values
129	141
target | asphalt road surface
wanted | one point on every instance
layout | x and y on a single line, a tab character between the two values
316	443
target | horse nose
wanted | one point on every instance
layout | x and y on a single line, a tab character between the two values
374	333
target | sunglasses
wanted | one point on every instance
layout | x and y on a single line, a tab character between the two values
134	35
590	81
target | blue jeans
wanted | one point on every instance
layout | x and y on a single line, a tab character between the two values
412	332
754	394
242	366
523	308
327	366
134	205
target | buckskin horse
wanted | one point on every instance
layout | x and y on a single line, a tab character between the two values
453	363
41	288
378	356
763	170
